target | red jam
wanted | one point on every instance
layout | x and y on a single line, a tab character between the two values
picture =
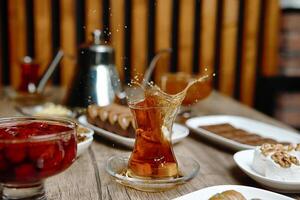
33	160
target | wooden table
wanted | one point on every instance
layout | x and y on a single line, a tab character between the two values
86	179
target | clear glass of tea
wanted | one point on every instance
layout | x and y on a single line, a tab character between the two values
154	112
153	153
152	165
32	149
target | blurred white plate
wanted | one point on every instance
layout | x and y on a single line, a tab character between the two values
250	125
244	160
34	110
84	145
88	132
179	132
248	192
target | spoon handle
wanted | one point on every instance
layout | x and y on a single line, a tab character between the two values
152	65
49	71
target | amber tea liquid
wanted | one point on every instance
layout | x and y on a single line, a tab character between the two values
152	156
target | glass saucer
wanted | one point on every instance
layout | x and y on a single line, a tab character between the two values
117	166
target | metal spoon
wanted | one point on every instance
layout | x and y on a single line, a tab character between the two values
39	88
152	65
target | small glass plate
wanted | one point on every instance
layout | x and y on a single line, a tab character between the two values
117	165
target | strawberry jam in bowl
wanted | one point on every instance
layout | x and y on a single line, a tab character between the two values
32	149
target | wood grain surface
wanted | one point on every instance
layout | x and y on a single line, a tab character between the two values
271	34
43	33
163	23
17	31
208	35
93	18
186	35
86	179
229	32
249	53
68	41
117	28
139	42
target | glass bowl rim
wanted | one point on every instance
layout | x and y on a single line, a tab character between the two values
48	137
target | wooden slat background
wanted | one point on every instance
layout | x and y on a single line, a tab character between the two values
163	22
94	12
229	30
249	47
210	34
207	37
139	40
68	40
17	34
270	38
117	33
186	35
42	32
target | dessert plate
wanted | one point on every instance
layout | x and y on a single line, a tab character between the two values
244	161
84	145
179	132
250	125
248	192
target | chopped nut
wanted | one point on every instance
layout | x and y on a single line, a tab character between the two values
284	159
290	147
267	149
294	160
297	147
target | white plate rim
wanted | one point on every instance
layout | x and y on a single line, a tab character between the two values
212	190
193	124
90	132
32	110
84	145
129	142
248	154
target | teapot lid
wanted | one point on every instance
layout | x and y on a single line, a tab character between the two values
98	45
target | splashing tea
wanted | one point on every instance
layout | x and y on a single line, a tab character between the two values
154	112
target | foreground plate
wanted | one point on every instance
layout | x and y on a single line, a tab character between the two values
84	145
179	132
250	125
244	160
247	192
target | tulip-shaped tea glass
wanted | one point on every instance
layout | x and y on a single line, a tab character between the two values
32	149
152	165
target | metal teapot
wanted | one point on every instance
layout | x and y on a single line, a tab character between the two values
96	79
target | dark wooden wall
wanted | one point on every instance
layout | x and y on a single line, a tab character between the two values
237	39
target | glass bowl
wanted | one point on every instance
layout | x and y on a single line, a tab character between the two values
32	149
117	167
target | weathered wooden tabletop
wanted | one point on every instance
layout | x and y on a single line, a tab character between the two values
86	179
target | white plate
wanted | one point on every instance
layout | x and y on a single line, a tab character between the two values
248	192
250	125
84	145
179	132
89	132
33	110
244	160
